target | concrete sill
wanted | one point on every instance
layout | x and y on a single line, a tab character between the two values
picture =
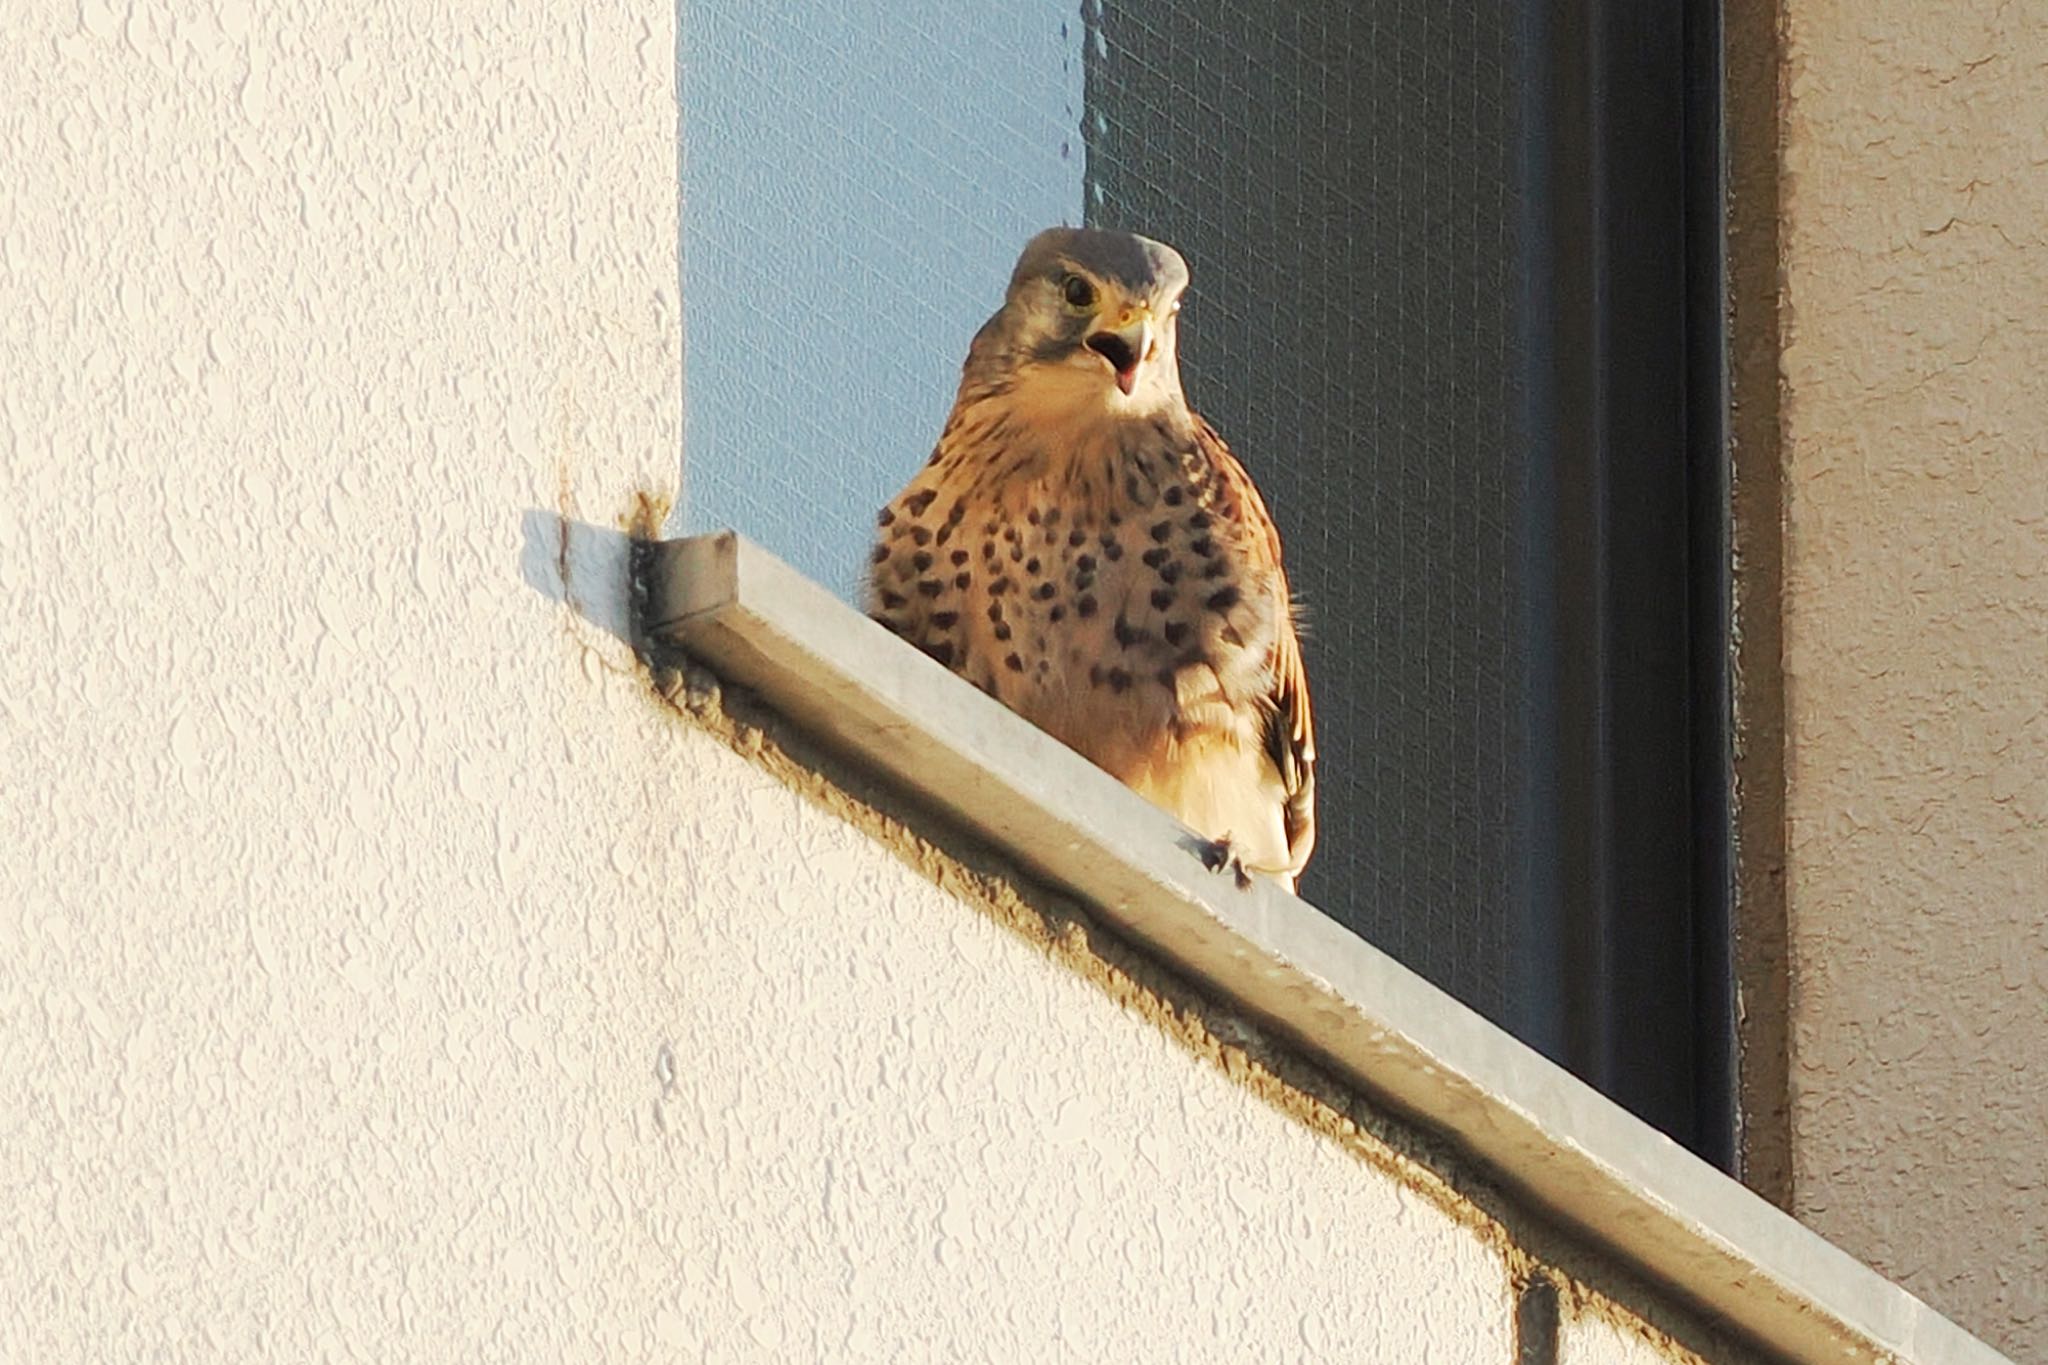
1548	1136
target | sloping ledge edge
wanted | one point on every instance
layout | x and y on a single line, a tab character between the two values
1548	1136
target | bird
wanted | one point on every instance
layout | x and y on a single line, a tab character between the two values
1083	546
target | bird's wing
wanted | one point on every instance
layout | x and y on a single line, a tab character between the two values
1290	726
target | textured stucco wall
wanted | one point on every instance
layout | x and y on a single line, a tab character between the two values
1591	1341
1916	644
385	975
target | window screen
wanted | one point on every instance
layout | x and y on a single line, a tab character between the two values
857	178
1419	248
1344	180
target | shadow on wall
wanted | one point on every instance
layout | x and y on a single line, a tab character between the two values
586	568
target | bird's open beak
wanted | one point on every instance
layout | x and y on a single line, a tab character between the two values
1125	344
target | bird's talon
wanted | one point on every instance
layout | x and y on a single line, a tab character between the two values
1220	855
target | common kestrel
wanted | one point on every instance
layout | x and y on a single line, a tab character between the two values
1083	546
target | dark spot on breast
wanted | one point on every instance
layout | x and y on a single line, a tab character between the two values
1052	516
988	549
1200	521
922	535
957	515
1016	554
1044	591
1161	530
1128	634
1084	581
1173	496
1115	519
999	587
1119	680
1058	613
1013	663
930	587
962	579
1086	563
1155	556
1010	533
921	561
1033	516
945	534
1076	538
958	557
1113	551
1002	630
945	620
1165	676
995	611
1095	675
1162	598
885	516
942	650
1086	606
1176	632
1203	548
917	502
878	554
1215	568
894	600
1223	599
1031	566
1170	572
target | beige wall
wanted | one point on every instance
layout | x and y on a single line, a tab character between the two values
1915	194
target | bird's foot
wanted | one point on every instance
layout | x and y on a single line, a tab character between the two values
1220	855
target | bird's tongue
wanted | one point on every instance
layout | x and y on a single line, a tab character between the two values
1127	379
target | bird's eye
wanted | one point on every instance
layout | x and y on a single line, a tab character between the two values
1078	292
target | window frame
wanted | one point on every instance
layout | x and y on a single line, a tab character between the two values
1635	282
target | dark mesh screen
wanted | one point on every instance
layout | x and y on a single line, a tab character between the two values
1343	180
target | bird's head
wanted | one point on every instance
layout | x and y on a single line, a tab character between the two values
1090	317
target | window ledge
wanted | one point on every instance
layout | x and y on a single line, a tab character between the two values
1550	1137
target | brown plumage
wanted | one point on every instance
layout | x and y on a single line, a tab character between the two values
1085	548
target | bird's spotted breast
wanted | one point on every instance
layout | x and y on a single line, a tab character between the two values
1083	615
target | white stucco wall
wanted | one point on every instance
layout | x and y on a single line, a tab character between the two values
384	975
1916	645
